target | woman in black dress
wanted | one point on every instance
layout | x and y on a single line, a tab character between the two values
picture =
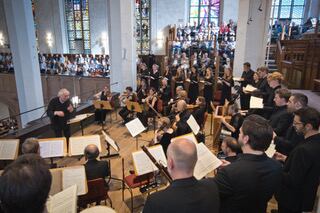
194	86
100	114
179	78
227	83
208	88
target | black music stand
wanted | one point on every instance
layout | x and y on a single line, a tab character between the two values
102	105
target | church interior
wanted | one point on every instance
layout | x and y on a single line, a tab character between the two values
102	102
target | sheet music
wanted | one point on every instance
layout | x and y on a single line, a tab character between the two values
52	148
250	88
237	78
63	202
142	162
9	149
135	127
78	144
271	150
189	136
256	103
56	183
110	141
193	125
75	175
207	162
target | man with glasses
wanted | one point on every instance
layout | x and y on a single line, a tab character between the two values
301	170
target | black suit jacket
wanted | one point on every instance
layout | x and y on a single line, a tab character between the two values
246	185
96	169
288	142
301	175
185	196
281	120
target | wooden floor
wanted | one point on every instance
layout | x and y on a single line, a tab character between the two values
127	145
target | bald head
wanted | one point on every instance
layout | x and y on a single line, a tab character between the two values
91	152
182	158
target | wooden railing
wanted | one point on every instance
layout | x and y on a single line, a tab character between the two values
299	61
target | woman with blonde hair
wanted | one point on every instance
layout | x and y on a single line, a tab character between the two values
275	81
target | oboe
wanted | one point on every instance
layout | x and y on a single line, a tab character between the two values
159	165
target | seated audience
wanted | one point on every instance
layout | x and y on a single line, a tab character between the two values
30	145
25	185
246	185
286	143
281	119
185	194
301	171
94	168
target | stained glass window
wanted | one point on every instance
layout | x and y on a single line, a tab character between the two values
204	11
78	24
143	27
291	10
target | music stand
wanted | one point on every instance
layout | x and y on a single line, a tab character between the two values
79	118
102	105
135	127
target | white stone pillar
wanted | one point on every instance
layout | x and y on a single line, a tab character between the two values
314	11
122	44
252	36
51	21
3	29
25	59
98	13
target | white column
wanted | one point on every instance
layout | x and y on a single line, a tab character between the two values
122	44
314	11
3	29
252	35
98	13
51	21
25	59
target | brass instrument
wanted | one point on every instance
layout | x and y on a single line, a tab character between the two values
159	165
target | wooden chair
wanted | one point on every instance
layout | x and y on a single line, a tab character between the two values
133	181
97	192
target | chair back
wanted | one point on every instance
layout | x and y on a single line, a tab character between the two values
97	192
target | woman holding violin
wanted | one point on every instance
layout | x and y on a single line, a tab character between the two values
163	134
150	103
104	95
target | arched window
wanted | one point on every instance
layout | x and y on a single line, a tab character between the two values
77	14
143	29
204	11
291	10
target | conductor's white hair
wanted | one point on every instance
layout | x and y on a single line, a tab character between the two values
62	92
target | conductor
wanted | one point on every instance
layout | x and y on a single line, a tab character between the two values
59	111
